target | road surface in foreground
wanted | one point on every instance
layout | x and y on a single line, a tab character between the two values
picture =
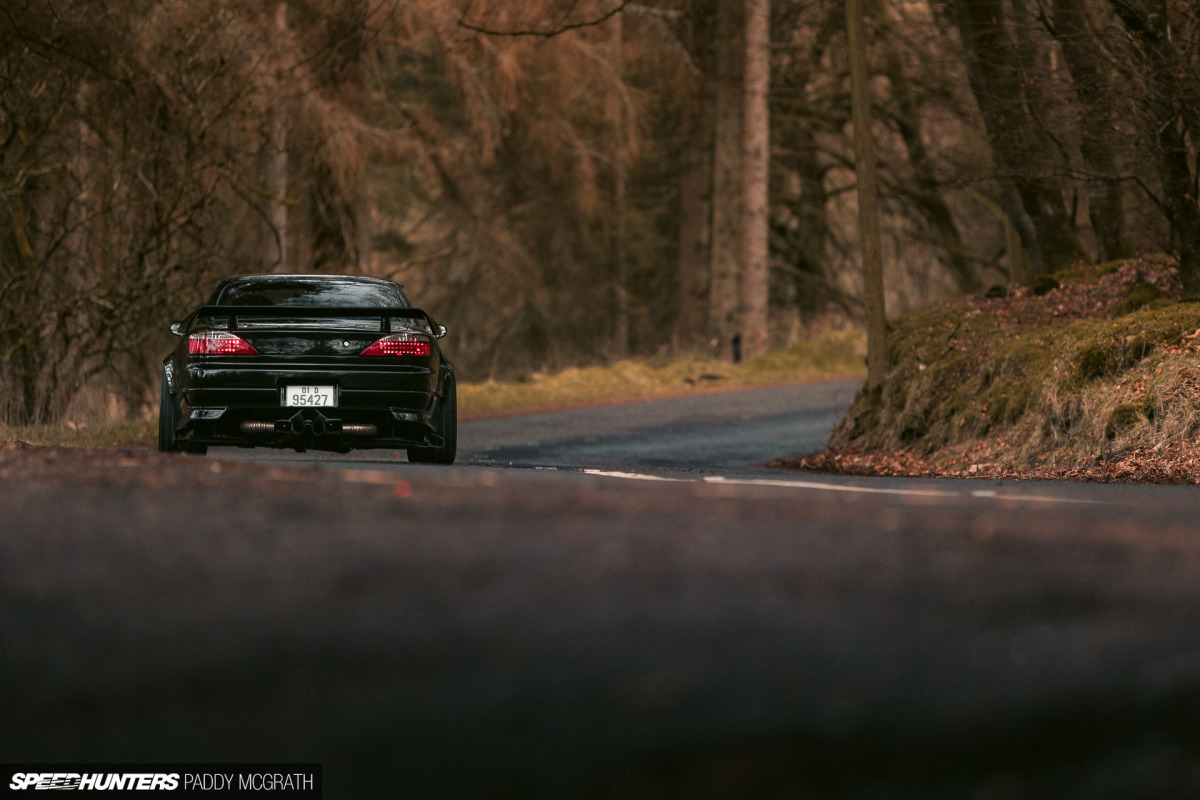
638	631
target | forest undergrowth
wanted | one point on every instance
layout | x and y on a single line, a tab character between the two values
1094	378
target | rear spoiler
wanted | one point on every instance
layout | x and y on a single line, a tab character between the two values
231	313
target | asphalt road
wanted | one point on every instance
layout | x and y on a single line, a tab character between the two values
650	626
710	433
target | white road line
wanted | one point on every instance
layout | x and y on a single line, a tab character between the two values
989	494
1041	498
980	493
633	476
829	487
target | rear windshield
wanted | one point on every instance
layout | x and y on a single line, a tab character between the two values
322	294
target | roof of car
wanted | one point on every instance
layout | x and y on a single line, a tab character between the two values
306	276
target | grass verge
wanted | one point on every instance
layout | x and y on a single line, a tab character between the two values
836	355
134	433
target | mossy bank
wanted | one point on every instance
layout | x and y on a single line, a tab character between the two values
1106	361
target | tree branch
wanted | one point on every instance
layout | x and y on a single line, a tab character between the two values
545	34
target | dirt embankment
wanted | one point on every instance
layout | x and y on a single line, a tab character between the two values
1096	379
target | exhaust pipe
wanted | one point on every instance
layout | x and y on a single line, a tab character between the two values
321	426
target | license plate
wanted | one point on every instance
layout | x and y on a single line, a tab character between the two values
309	396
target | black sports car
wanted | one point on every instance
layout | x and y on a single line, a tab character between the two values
309	362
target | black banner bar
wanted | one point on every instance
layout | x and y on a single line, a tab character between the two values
222	781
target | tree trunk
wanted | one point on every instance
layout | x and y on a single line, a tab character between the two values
1170	121
992	71
727	172
695	211
929	197
813	285
802	234
756	159
1018	271
1096	95
868	199
620	235
364	217
273	250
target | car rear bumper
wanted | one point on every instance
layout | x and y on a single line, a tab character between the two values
375	407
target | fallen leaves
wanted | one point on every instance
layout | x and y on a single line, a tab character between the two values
1177	464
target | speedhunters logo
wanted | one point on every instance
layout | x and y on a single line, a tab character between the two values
220	781
100	781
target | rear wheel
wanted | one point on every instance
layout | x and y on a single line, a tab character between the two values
447	425
168	419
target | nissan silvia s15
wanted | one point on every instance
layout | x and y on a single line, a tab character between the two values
325	362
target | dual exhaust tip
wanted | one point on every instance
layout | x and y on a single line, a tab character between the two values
319	425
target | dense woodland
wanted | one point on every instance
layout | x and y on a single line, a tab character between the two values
566	181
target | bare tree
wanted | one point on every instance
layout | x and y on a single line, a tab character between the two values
1093	81
695	170
928	192
756	158
868	201
116	148
1029	190
620	236
273	238
724	287
1169	117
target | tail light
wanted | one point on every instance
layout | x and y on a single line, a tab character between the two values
409	345
219	343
